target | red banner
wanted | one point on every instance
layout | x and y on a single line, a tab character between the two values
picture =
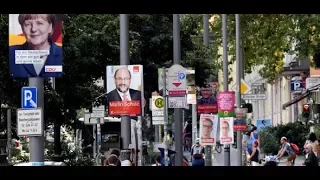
121	108
207	108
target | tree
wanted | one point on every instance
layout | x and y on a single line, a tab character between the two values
268	37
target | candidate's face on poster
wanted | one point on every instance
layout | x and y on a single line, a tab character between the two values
225	129
206	92
37	28
207	128
122	78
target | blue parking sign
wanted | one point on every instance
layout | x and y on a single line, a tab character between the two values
29	98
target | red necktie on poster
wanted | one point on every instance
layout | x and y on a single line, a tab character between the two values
125	97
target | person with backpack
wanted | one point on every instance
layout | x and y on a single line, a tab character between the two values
197	154
288	147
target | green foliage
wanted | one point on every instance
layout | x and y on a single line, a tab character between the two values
295	132
316	130
71	156
266	37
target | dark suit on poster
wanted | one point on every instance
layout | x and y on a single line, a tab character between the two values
27	70
114	95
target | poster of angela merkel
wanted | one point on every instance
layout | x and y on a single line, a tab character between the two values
35	45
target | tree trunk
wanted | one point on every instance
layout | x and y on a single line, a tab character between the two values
57	143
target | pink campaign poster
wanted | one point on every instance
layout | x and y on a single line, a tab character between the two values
226	102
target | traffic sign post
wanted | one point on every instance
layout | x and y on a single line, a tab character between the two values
36	145
177	80
177	86
29	98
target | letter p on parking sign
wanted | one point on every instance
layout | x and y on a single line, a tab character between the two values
29	98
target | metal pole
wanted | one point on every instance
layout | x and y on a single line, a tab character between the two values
124	60
272	85
194	123
225	77
208	157
177	112
242	65
165	115
98	137
238	81
37	143
156	133
160	132
9	134
94	128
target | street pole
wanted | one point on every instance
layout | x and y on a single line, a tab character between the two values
177	111
238	81
9	134
208	148
194	123
94	129
225	77
156	133
37	142
272	85
242	65
165	115
124	60
139	130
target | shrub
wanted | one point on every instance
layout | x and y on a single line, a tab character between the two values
295	132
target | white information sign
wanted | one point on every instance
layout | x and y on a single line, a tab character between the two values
177	84
312	81
98	112
29	122
253	96
177	102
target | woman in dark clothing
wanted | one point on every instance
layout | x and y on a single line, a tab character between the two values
254	157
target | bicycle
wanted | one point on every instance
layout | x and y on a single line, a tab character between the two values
218	147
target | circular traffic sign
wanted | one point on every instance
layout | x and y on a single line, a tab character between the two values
159	103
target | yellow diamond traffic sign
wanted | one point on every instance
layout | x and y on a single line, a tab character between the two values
245	88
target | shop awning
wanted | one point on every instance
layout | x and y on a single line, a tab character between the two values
302	96
295	100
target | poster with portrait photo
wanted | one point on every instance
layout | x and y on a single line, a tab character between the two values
35	45
226	130
124	90
208	129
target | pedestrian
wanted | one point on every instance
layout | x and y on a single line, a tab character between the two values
311	158
254	157
158	161
313	141
112	160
